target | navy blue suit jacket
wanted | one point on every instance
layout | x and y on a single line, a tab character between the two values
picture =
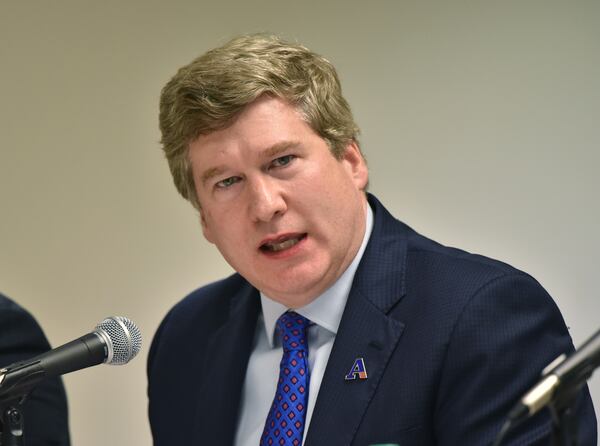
45	410
450	341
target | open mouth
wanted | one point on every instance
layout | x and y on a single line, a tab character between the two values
282	243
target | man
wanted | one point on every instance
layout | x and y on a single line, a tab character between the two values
342	326
45	410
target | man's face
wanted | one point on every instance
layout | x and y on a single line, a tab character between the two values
282	210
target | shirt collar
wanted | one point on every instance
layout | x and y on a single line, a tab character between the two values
327	309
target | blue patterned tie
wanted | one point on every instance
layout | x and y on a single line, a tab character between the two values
285	422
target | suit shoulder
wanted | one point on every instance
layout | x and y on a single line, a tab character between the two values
207	303
448	280
426	270
426	258
212	294
19	327
457	264
8	306
438	276
200	312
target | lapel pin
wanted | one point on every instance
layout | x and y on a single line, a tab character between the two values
358	370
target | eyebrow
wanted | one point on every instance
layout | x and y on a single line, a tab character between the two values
278	148
269	152
210	173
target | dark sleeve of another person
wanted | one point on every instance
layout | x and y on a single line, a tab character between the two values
45	411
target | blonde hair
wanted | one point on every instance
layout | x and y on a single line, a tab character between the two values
207	95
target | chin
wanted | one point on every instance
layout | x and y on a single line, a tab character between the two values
294	302
293	284
292	296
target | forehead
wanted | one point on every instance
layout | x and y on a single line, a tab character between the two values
266	128
262	127
265	113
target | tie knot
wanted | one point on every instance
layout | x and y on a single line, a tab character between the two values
292	328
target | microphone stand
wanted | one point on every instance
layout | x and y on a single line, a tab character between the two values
564	428
13	422
559	394
564	420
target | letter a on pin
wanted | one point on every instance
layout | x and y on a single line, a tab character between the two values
358	370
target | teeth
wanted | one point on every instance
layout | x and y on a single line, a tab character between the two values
282	245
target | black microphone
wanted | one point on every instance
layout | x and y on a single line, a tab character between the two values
561	378
116	340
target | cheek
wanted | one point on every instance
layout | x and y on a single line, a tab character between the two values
206	227
225	230
215	227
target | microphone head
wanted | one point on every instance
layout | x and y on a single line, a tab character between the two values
122	338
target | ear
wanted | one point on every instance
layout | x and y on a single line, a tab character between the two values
356	165
206	229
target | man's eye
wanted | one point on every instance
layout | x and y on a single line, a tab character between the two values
282	161
227	182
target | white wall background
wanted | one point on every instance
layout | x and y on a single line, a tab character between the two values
480	123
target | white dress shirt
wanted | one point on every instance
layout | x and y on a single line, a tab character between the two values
263	366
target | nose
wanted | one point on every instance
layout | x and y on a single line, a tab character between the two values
266	199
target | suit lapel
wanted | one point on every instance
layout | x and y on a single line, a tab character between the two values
365	332
227	356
